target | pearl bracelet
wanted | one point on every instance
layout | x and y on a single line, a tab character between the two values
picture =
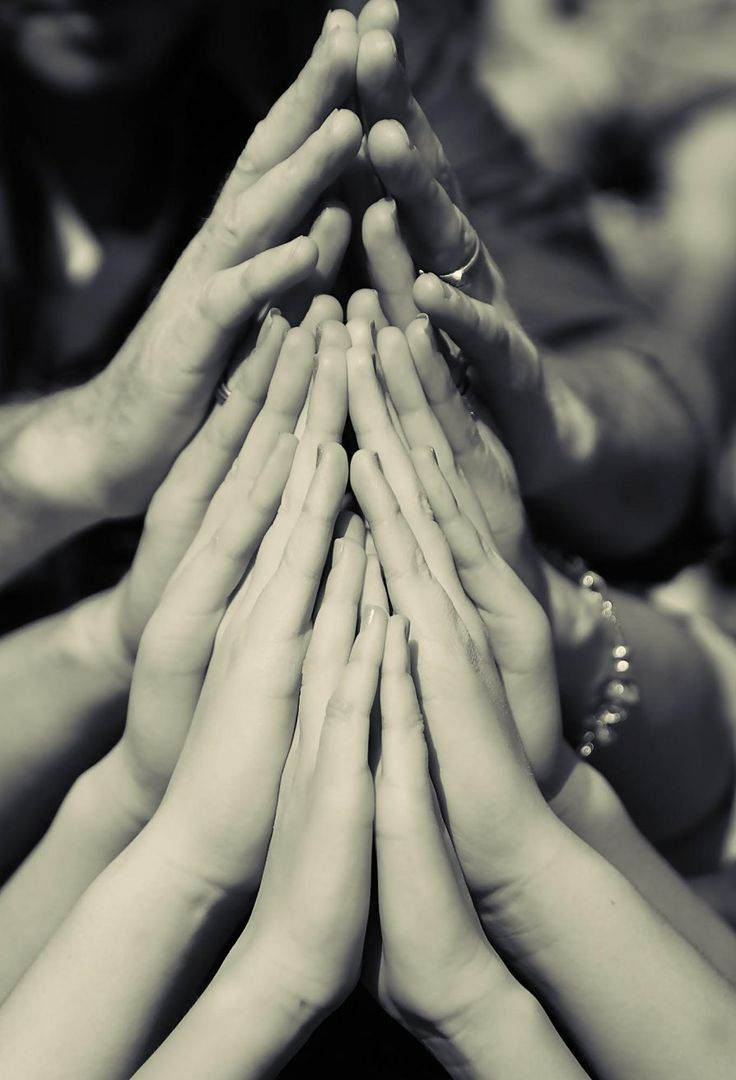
617	692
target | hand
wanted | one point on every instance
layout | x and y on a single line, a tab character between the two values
178	507
177	644
479	766
320	420
232	760
498	613
308	924
119	433
436	973
435	967
514	381
300	953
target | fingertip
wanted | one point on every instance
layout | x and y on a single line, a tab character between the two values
432	293
331	334
388	143
331	455
345	127
322	309
299	340
378	51
397	641
303	250
380	220
364	464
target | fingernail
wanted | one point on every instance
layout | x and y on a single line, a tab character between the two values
376	460
330	22
267	325
390	205
405	135
423	324
337	551
368	614
297	247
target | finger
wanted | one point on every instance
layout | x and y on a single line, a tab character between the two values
374	591
364	305
385	93
518	629
331	233
321	309
363	336
382	15
201	468
405	390
325	421
343	745
404	756
230	296
331	641
289	597
181	631
350	526
273	207
437	232
504	357
390	266
244	381
285	399
407	812
480	457
409	581
375	431
332	333
323	84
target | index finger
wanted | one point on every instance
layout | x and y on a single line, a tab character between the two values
323	84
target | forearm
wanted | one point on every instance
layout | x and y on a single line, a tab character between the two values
672	763
125	952
244	1027
65	683
638	999
636	475
591	809
507	1034
97	820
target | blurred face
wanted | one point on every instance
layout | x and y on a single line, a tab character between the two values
84	46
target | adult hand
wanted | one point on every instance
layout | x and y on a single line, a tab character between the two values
422	224
118	435
179	505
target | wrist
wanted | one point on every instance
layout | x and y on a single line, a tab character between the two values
492	1036
92	636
